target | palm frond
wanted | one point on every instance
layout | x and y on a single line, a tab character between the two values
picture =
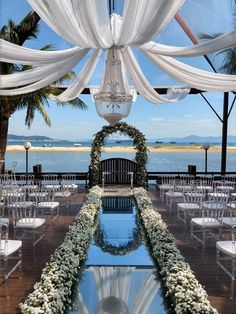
30	112
28	27
229	62
48	47
76	102
208	36
66	77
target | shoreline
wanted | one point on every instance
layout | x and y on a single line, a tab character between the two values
118	149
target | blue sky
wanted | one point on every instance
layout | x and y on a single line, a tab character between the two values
189	116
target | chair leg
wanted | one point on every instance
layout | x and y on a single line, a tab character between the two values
203	236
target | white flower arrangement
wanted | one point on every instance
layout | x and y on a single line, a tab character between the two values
183	289
53	293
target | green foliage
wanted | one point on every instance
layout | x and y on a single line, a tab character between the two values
139	142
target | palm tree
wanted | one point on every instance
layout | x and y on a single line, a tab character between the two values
32	102
229	55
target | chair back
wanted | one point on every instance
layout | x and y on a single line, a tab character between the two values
214	210
44	195
50	181
26	216
219	196
193	197
13	197
3	238
26	179
167	179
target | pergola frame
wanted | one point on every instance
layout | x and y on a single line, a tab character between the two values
226	110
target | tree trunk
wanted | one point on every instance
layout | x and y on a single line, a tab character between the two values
4	122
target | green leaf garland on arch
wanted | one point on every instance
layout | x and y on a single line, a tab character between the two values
123	249
139	143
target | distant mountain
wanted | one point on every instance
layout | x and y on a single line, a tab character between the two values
12	137
197	139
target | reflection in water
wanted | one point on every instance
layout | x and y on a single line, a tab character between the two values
120	275
123	285
112	305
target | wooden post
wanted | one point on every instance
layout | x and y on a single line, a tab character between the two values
224	133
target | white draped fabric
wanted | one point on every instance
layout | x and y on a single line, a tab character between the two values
116	281
81	81
12	53
84	23
38	73
194	77
144	19
87	24
48	77
141	83
145	294
222	42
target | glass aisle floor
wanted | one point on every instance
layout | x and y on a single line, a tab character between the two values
119	277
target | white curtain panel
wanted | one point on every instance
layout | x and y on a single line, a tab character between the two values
49	77
87	24
12	53
145	295
141	83
121	282
194	77
79	304
38	73
224	41
144	19
84	23
75	89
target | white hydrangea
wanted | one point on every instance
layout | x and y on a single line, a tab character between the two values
52	294
184	291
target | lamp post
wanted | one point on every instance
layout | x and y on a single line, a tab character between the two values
27	146
206	146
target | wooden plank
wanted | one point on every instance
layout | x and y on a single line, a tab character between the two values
203	263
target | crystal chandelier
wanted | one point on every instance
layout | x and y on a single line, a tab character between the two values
113	101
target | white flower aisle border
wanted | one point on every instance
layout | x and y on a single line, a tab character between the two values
183	289
53	293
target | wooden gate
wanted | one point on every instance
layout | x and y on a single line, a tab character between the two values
118	171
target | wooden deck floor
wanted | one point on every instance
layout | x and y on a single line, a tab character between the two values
202	263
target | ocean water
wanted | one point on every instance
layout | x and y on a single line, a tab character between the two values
109	143
158	161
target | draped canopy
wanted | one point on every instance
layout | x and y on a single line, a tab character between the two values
87	25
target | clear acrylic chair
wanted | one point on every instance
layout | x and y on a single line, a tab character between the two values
50	182
174	195
46	204
229	219
191	205
226	252
209	223
27	222
68	182
9	250
165	186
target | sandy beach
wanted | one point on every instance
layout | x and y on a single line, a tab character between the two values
122	149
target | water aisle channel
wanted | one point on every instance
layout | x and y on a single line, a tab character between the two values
120	277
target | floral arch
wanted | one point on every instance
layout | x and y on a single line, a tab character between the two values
123	249
139	142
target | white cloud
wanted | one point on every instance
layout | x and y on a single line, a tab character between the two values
157	119
188	115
